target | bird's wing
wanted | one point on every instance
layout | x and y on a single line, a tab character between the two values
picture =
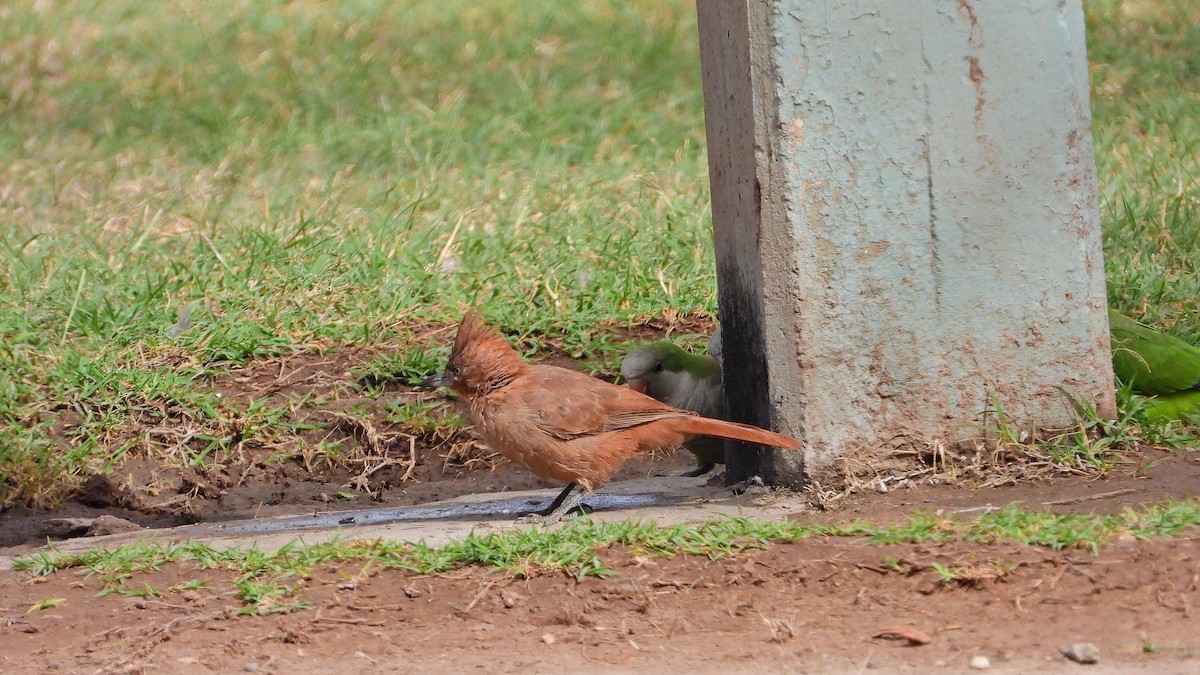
1181	405
567	404
1153	362
633	418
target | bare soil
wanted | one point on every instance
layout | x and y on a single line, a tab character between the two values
813	606
826	605
821	605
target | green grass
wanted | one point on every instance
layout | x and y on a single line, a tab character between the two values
262	578
297	176
1145	99
206	185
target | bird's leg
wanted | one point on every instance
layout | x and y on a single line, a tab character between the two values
566	501
574	501
702	467
562	497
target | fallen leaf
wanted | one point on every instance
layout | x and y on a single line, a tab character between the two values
904	632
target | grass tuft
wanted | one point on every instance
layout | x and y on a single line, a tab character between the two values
265	581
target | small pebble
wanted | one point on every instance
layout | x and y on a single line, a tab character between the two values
980	662
548	638
1081	652
412	592
251	667
191	596
509	599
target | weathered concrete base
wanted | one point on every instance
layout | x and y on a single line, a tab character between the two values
906	221
666	500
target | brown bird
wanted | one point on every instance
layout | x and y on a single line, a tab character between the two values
564	424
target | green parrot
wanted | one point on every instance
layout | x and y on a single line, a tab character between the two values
683	380
1156	365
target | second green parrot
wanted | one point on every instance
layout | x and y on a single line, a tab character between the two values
684	380
1158	366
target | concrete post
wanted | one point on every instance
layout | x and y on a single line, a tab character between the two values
905	217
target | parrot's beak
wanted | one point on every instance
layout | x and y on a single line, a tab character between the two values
640	386
434	381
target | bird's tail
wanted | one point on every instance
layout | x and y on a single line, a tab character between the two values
706	426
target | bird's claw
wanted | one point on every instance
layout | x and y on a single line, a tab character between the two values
548	517
718	479
701	469
697	471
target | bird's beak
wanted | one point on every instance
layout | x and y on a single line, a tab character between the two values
434	381
640	386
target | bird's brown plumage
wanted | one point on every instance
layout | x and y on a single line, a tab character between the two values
563	424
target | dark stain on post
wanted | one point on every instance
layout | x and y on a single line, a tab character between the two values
746	376
729	71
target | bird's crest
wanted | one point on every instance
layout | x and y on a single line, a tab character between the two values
482	358
476	336
472	330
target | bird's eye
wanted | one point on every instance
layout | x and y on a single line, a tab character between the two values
658	366
456	370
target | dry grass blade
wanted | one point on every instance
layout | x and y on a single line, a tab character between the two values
378	445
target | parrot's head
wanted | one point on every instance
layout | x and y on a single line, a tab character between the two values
656	369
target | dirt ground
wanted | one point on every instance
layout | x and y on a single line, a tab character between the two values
814	606
823	605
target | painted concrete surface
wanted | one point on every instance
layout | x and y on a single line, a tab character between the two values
906	219
665	500
756	291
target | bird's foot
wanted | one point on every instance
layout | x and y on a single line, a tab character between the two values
544	518
718	479
535	518
752	486
566	503
701	469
